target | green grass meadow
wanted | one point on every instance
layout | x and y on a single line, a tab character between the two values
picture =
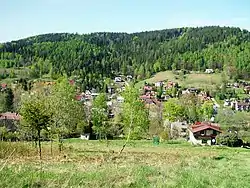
198	80
98	164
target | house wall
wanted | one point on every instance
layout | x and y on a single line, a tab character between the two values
198	141
192	139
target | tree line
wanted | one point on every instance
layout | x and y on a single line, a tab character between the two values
94	57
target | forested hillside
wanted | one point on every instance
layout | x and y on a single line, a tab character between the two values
96	56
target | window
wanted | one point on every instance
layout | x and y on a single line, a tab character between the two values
204	141
202	132
214	132
209	132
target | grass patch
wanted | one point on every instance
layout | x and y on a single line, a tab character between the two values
93	164
199	80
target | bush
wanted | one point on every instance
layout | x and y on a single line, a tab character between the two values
164	135
245	136
229	139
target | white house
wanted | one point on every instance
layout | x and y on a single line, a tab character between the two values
203	133
158	84
209	71
120	99
227	102
129	78
118	79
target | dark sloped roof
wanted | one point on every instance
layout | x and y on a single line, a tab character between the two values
203	126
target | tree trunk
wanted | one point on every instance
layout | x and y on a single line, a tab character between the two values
129	133
106	138
60	143
51	145
39	143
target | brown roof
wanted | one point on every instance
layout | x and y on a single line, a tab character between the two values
200	126
10	116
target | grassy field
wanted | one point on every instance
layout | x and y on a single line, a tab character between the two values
199	80
94	164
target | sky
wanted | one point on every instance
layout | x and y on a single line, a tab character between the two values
24	18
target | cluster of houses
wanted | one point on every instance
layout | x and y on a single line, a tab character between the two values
201	133
149	92
238	105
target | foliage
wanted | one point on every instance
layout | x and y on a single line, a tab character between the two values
36	115
97	56
230	119
164	135
192	107
99	116
68	114
230	139
245	136
134	114
3	132
6	100
207	110
173	110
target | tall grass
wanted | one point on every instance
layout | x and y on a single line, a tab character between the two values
91	164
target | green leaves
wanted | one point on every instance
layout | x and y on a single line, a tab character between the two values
173	110
134	114
207	110
99	115
36	113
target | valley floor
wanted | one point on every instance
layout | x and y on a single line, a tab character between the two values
96	164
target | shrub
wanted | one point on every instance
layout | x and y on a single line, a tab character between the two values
164	135
229	139
245	136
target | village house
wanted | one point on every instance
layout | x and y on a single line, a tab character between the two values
190	90
159	84
111	90
147	88
236	85
80	97
120	99
169	85
129	78
3	87
204	133
9	120
72	82
247	89
204	96
241	105
164	98
227	102
209	71
118	79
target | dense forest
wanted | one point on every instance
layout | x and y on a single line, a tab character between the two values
94	57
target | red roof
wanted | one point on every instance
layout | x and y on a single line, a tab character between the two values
10	116
145	97
71	82
149	88
200	126
78	97
3	85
